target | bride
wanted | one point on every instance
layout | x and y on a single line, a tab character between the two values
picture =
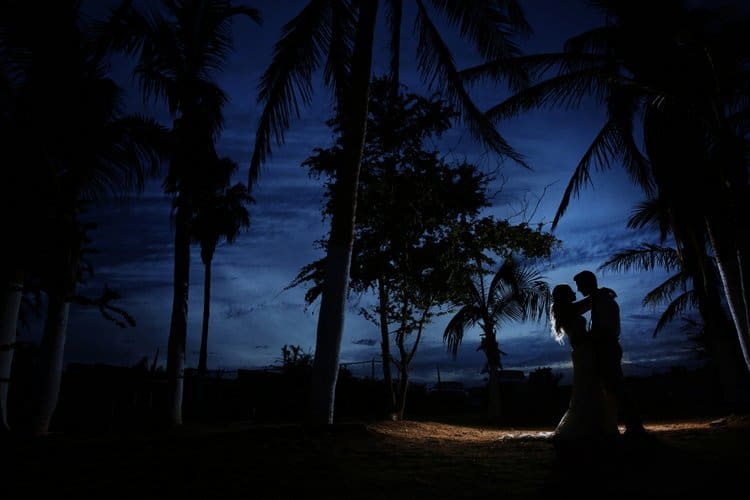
591	417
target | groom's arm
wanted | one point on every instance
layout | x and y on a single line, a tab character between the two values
583	305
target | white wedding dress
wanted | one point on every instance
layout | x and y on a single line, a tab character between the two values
591	417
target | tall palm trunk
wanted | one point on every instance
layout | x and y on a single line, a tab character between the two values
178	326
339	250
51	350
11	303
719	329
206	314
492	352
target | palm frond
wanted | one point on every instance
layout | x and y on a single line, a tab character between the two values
506	275
517	72
241	10
489	26
678	306
536	294
603	150
621	108
666	290
212	36
337	67
156	85
564	90
436	63
644	257
505	308
125	29
645	214
596	41
213	99
466	317
220	209
651	213
520	285
288	79
131	149
313	273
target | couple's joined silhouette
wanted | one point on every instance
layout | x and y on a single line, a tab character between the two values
599	395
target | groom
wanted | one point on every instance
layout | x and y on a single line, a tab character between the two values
605	331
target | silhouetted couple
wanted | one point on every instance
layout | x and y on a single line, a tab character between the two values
598	393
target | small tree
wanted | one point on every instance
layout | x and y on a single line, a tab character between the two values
515	293
413	210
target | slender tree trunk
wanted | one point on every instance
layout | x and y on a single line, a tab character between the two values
206	314
406	357
719	330
11	303
52	350
339	251
730	271
403	386
178	326
743	265
385	349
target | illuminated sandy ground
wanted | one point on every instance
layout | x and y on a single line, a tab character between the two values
380	460
418	431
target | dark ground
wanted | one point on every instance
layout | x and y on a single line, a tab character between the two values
373	460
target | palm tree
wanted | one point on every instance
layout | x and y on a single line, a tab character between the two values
338	37
220	214
14	65
694	284
681	76
74	163
24	192
178	52
515	293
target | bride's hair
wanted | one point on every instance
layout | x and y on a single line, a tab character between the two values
562	297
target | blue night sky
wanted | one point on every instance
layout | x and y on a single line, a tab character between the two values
252	315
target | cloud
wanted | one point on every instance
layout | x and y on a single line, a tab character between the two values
367	342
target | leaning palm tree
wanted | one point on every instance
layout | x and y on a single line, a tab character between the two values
681	76
220	214
515	293
179	51
338	37
693	285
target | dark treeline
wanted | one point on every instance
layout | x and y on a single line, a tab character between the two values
109	398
